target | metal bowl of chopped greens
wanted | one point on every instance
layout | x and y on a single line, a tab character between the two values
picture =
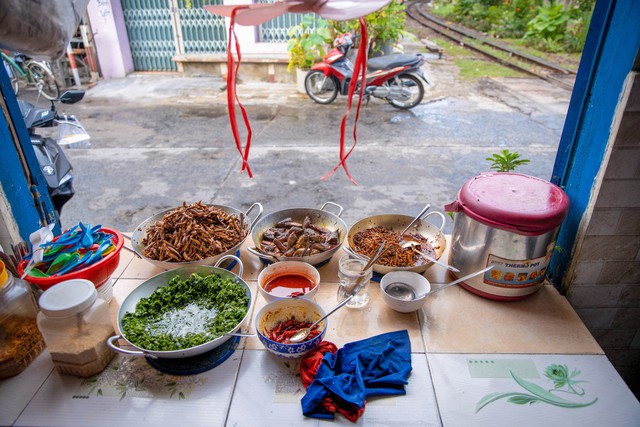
183	312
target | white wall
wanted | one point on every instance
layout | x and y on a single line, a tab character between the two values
110	37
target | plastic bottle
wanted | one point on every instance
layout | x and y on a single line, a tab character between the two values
75	324
20	340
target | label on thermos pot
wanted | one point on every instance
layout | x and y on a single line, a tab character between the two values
516	273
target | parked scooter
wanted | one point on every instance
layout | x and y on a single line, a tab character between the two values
53	162
396	78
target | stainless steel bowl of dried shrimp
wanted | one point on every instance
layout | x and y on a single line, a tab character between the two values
193	234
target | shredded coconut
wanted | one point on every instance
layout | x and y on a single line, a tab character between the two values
192	319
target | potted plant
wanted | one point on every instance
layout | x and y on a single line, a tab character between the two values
307	42
385	27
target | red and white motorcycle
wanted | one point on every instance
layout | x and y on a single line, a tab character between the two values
396	78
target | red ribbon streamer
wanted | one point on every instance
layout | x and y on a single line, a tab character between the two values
232	96
359	73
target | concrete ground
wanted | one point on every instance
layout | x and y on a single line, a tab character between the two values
161	139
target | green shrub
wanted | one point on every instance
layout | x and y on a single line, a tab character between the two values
576	34
547	29
510	20
544	24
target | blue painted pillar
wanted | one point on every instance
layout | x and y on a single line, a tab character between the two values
610	50
22	181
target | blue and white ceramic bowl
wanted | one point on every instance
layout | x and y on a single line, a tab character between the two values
282	310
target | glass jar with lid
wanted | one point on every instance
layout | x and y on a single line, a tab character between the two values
20	340
76	324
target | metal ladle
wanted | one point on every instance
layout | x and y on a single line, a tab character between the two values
303	333
455	282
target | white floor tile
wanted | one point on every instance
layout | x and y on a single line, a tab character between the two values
269	390
17	391
131	393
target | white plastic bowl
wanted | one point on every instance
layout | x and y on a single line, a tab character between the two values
417	282
288	267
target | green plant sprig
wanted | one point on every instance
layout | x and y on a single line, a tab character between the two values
506	161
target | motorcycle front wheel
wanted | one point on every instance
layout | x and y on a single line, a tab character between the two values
320	88
44	80
408	91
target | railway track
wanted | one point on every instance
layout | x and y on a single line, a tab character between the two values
505	55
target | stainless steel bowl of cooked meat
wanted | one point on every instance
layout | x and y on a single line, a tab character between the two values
299	234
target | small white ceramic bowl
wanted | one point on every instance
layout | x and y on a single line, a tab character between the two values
282	310
418	284
288	267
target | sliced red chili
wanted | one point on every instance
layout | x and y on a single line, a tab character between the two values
285	329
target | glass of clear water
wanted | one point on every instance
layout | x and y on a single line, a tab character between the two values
351	274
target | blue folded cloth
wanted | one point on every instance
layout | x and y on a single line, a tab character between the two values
377	366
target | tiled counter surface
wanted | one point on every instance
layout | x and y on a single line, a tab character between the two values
463	348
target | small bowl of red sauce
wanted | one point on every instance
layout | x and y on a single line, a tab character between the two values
288	279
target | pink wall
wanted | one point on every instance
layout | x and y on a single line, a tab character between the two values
110	37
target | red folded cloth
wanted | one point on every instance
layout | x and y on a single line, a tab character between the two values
311	361
309	366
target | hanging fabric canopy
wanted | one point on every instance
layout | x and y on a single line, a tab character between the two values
258	13
337	10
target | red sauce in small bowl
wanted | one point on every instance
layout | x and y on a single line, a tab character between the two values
285	284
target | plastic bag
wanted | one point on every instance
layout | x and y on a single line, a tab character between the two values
71	134
39	28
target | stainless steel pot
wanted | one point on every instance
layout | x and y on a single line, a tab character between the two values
319	217
162	279
516	258
510	221
431	232
141	231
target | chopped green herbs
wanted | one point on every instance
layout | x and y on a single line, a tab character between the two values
186	313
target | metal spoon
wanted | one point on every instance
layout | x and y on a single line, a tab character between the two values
422	212
303	333
412	244
455	282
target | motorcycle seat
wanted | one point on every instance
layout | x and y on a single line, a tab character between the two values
391	61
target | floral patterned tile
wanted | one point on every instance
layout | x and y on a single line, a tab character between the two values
531	390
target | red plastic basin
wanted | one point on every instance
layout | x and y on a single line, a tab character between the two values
97	273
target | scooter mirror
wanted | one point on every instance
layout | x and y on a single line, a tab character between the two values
71	96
